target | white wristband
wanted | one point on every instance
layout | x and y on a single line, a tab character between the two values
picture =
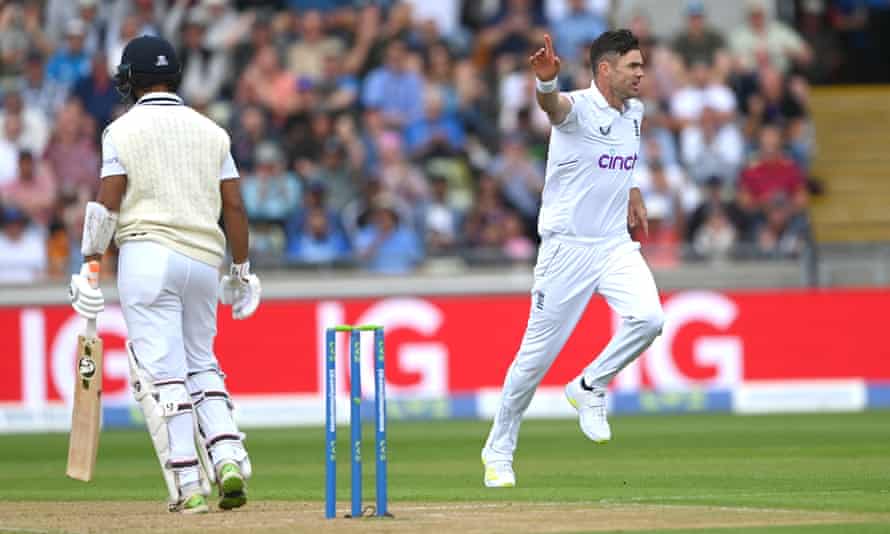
240	271
547	87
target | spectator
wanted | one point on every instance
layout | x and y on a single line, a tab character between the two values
204	70
72	153
226	27
698	43
97	93
715	238
476	104
376	34
248	132
517	245
518	107
441	220
335	91
440	76
399	177
702	90
305	137
271	194
88	12
662	194
710	148
782	234
22	248
764	41
771	174
71	62
34	190
10	146
305	58
388	245
576	30
825	44
267	84
437	132
36	93
483	225
660	61
393	89
318	242
146	15
335	174
35	128
442	14
514	30
672	173
260	36
657	124
521	178
118	38
775	103
556	10
20	31
712	210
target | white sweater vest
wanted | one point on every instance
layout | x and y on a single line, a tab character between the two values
173	156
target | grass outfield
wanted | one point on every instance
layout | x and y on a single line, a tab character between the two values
837	463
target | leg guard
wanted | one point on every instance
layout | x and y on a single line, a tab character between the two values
215	419
160	402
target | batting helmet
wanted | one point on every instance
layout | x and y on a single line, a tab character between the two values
147	61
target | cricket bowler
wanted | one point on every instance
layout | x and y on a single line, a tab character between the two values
589	200
167	175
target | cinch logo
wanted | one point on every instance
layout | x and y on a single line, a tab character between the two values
611	161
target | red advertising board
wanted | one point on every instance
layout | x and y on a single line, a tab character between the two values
445	345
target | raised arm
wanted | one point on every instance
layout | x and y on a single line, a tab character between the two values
545	64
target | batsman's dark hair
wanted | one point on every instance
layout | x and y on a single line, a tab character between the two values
617	42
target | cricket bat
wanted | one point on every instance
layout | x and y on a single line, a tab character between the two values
86	415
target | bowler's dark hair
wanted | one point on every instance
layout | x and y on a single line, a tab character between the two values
616	42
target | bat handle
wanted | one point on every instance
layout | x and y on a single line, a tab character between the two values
92	275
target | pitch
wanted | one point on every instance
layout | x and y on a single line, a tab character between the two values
691	473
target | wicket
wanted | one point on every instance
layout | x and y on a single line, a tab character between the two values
355	419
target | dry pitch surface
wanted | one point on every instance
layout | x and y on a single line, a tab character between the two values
824	473
275	517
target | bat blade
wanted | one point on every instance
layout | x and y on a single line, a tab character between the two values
86	415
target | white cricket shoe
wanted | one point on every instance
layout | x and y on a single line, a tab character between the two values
591	406
499	474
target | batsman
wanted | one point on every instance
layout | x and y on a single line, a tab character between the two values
167	175
589	201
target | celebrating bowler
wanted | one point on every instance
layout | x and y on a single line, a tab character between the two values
589	200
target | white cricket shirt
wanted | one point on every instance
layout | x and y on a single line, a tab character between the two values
590	167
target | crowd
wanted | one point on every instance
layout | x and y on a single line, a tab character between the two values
382	134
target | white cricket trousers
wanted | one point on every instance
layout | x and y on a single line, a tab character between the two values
567	274
169	305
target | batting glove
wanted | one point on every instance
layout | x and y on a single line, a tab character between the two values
241	289
86	300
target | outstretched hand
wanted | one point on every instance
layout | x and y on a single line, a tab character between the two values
545	63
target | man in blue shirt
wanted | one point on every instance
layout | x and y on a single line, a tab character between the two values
436	132
385	246
70	62
578	29
393	89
